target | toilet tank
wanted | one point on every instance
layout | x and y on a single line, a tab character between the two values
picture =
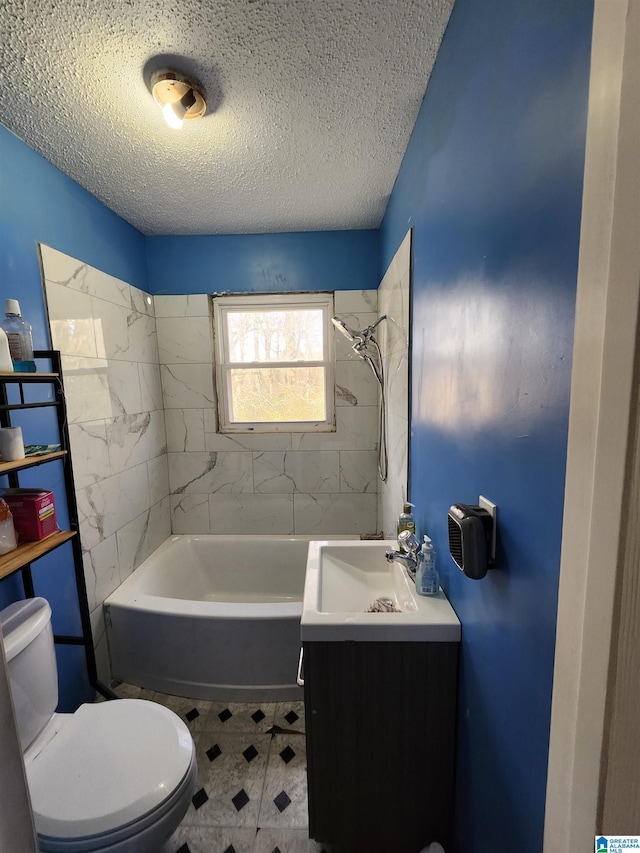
31	661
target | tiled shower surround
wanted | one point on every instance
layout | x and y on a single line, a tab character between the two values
105	330
270	482
148	459
393	301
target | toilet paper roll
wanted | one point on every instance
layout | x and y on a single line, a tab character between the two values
11	444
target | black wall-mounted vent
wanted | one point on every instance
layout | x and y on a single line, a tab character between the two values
470	536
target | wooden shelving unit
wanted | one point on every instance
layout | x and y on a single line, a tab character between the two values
26	553
30	461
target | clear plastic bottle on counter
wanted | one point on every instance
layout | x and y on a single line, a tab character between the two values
427	577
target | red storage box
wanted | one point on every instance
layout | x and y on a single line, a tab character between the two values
33	511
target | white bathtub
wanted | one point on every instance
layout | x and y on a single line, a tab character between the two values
212	617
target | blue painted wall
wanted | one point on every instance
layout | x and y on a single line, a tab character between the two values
38	203
315	260
491	183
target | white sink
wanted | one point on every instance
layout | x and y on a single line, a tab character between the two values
345	577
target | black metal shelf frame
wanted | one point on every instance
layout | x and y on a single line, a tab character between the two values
55	378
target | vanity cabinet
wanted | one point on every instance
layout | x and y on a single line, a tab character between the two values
380	727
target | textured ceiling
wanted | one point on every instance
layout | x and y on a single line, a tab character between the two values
313	105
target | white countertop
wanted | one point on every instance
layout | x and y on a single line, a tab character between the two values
344	577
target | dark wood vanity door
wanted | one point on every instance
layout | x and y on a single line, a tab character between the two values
380	724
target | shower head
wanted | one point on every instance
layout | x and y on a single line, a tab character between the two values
346	331
364	345
356	337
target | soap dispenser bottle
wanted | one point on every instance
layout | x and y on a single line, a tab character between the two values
427	578
406	521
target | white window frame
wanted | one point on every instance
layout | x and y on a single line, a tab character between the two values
261	302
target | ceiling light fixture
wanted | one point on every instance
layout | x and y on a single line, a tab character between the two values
180	98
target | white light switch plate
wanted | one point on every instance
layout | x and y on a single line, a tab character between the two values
492	509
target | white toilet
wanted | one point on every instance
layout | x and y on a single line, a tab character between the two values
115	776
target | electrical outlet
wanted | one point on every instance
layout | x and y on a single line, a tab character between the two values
492	509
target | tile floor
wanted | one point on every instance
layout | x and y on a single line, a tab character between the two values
251	791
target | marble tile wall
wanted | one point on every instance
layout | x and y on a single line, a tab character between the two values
269	483
106	332
393	300
148	460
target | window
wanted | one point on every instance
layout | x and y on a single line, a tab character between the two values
274	362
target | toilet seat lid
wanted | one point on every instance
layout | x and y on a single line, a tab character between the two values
109	765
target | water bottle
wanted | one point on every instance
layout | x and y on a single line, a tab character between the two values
6	363
18	333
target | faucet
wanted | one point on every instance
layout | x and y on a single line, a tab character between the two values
408	555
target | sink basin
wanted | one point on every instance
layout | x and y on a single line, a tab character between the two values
350	579
343	580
